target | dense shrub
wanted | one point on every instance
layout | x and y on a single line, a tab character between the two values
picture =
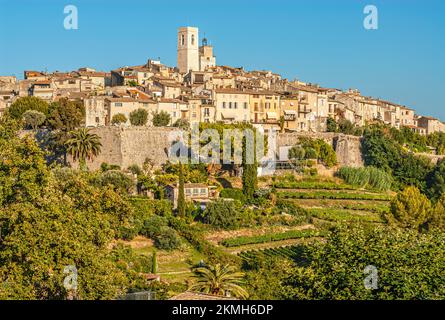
21	105
167	239
139	117
331	125
310	153
161	119
153	225
323	151
33	119
410	266
119	118
381	150
233	193
410	209
156	228
222	214
116	178
436	181
296	152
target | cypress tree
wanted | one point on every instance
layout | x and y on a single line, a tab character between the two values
250	181
181	196
154	263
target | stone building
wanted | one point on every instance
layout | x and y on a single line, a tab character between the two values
231	105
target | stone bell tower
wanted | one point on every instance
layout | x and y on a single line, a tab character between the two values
188	49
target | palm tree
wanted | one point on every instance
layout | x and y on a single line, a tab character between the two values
82	145
219	280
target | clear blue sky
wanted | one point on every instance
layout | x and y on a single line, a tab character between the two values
315	41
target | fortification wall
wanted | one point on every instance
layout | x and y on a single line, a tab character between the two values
125	146
346	147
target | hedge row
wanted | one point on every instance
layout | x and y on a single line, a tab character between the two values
196	239
293	234
313	185
332	195
343	215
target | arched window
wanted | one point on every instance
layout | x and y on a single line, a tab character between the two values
182	40
193	39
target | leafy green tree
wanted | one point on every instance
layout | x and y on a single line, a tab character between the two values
21	105
345	126
33	119
436	181
410	209
438	218
181	191
409	266
49	223
222	214
381	150
167	239
331	125
282	123
116	179
154	262
119	118
66	115
135	169
183	124
412	170
219	280
139	117
265	277
296	152
161	119
323	151
83	145
310	153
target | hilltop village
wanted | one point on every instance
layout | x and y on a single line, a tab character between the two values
199	90
92	205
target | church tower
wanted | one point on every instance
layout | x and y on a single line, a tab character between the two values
188	49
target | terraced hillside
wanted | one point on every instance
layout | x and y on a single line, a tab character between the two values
325	201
